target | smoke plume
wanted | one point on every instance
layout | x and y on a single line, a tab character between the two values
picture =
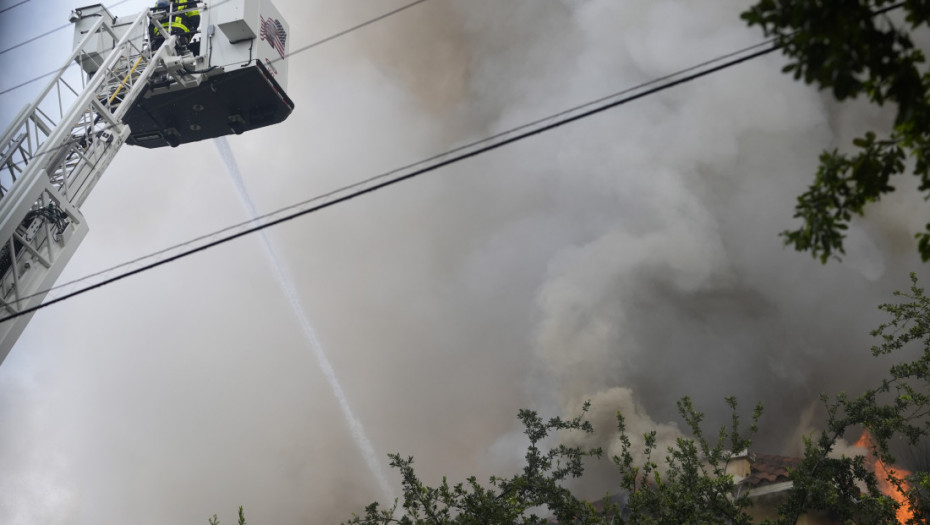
629	259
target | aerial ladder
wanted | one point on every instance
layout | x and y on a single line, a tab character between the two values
116	88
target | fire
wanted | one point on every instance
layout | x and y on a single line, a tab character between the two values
883	473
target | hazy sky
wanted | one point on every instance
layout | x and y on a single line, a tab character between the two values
630	258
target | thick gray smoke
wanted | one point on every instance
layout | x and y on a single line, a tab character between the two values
630	259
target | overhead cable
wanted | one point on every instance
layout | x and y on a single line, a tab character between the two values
60	70
411	171
739	57
43	35
5	9
349	30
464	147
300	50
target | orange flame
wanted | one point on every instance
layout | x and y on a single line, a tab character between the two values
889	479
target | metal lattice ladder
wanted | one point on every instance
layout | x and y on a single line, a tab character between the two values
54	153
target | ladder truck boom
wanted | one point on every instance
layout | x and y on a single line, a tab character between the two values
116	89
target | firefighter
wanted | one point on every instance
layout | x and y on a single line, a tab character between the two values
182	24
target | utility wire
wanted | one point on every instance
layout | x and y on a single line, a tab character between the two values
57	71
292	53
204	237
537	122
302	49
628	90
349	30
33	39
43	35
5	9
384	180
410	166
31	80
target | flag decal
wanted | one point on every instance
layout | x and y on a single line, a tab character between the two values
273	32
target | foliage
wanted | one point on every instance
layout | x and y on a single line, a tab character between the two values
692	484
854	48
506	500
899	407
833	486
216	521
695	486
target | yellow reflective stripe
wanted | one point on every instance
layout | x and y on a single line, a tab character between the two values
180	6
175	23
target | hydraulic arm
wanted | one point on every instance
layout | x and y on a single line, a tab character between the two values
54	153
126	82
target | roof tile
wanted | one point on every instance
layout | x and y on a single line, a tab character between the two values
766	469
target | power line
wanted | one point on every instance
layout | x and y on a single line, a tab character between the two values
435	157
37	37
5	9
445	159
302	49
60	70
43	35
464	147
73	141
292	53
30	81
351	29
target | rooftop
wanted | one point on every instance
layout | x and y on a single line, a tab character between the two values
766	469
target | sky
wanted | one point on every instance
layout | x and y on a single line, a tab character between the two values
630	258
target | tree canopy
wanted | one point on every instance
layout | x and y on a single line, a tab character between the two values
853	49
691	482
856	48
